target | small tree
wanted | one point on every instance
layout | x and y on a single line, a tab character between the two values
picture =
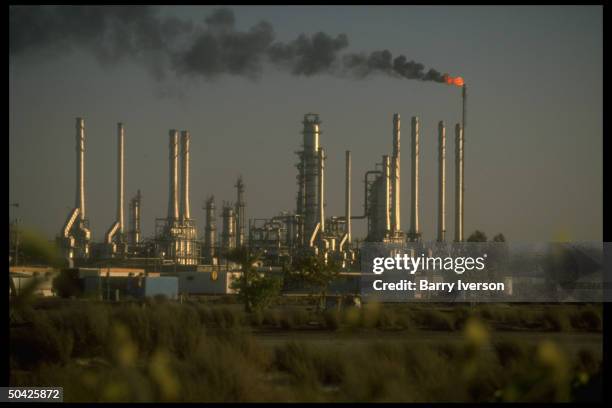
255	290
315	272
499	238
66	284
477	236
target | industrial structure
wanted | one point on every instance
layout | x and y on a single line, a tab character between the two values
209	251
240	213
459	186
134	233
75	236
306	230
382	193
176	235
114	237
441	182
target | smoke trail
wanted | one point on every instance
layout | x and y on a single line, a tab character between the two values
308	55
207	49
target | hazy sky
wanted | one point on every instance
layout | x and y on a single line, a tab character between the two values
533	146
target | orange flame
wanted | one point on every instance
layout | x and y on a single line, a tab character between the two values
457	81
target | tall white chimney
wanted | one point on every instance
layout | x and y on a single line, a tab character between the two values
347	197
414	204
322	188
395	174
173	209
185	213
441	182
459	186
120	176
387	188
80	173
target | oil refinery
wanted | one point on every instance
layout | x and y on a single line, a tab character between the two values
177	246
196	262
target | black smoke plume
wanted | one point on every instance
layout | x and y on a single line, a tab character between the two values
208	49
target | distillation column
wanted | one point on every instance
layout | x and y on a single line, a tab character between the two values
310	158
210	237
240	213
134	233
228	239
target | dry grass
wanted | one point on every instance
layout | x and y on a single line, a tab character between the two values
164	351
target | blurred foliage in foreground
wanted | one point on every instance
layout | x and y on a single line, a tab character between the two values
166	351
163	351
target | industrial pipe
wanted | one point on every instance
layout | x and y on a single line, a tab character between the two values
70	222
110	234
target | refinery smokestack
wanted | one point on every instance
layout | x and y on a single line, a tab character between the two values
322	189
441	182
386	187
395	174
414	204
120	177
347	197
173	210
80	174
459	187
185	213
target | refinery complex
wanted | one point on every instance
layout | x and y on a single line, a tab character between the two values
182	257
179	244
